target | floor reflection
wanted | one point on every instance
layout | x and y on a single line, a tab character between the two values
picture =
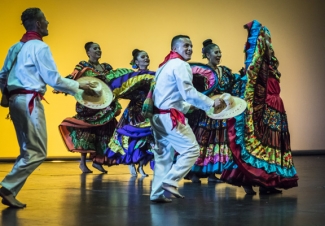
57	194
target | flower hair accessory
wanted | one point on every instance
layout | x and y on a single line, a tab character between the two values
134	66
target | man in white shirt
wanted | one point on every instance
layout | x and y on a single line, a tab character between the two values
173	96
28	68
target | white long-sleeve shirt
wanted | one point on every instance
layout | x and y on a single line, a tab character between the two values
34	69
174	88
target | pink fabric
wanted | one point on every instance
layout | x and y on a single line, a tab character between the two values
208	74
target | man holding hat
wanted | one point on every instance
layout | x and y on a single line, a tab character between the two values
28	68
173	95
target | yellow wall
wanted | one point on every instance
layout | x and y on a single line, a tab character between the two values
120	26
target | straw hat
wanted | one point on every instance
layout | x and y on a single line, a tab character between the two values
103	94
231	107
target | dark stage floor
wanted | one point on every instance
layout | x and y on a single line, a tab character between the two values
58	194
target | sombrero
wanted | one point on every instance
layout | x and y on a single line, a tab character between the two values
103	94
231	107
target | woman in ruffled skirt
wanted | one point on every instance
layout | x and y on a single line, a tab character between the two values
259	138
132	141
90	130
212	79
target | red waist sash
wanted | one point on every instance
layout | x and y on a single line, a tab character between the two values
175	115
31	102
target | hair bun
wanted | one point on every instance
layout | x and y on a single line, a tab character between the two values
207	42
135	52
88	45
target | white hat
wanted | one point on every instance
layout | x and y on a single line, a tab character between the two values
232	107
103	98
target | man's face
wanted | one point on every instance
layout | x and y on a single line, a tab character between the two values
41	24
184	48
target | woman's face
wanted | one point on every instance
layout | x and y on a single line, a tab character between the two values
214	55
142	60
94	52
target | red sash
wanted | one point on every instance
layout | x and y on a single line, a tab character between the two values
175	115
171	55
31	102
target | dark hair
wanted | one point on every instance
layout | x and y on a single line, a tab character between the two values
176	38
29	16
207	46
88	45
135	54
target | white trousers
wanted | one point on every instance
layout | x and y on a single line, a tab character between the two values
32	139
181	139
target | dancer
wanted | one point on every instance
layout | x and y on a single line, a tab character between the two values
132	141
173	95
212	134
82	133
260	139
28	68
132	114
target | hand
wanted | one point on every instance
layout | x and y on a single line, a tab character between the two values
220	107
242	71
117	113
217	102
192	108
88	88
56	91
85	85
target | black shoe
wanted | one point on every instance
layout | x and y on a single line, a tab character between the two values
172	190
269	191
9	199
195	179
215	180
161	200
249	190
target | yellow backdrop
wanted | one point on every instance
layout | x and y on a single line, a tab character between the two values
120	26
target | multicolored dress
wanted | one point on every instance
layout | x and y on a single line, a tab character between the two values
212	134
132	140
260	139
90	130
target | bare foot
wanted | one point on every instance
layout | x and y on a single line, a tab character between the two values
99	167
141	171
84	168
132	170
